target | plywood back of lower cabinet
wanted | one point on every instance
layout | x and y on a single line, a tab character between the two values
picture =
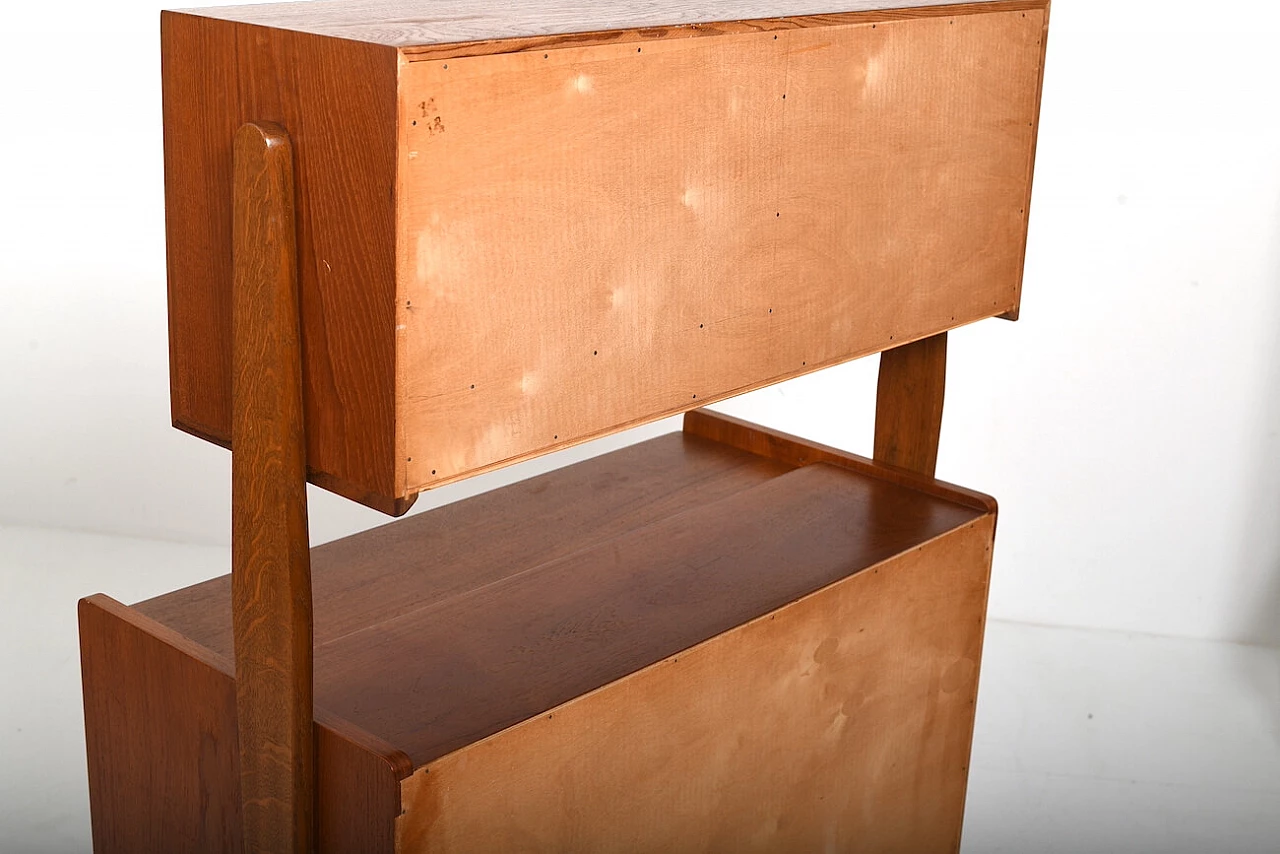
840	722
593	236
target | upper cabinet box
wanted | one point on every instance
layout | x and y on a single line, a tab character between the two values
522	225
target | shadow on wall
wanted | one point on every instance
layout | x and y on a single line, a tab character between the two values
1260	543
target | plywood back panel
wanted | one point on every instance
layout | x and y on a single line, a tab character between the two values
841	722
591	237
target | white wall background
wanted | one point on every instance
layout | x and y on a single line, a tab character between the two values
1129	423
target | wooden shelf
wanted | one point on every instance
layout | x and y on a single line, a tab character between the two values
461	624
441	629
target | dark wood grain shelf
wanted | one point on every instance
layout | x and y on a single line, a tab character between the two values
443	628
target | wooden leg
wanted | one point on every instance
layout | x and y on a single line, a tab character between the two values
271	571
909	404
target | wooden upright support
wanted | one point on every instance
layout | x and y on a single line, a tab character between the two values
271	571
909	404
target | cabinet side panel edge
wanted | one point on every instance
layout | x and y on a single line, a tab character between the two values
337	101
160	728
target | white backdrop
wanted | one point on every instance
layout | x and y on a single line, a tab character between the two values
1129	424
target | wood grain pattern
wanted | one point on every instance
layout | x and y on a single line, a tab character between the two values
337	99
270	552
391	570
160	736
469	666
160	726
794	451
417	23
841	722
722	235
357	790
909	397
599	573
552	611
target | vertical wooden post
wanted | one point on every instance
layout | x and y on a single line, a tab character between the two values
909	404
271	571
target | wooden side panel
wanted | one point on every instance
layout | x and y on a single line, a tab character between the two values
591	237
358	790
160	728
337	101
841	722
161	738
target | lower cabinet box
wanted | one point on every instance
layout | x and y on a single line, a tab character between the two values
724	639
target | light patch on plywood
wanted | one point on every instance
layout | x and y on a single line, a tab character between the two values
442	257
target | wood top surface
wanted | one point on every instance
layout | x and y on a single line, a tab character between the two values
405	23
439	630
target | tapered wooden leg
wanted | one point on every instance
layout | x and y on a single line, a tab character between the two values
271	572
909	404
